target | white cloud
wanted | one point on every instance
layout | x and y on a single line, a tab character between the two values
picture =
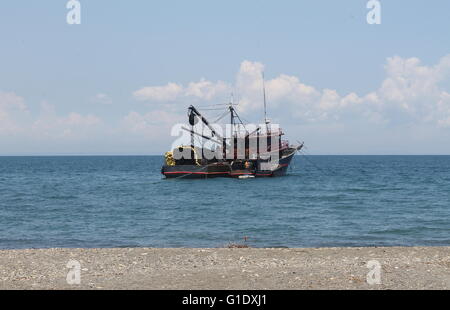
290	87
407	82
411	92
102	99
169	92
206	90
412	95
201	90
11	101
444	110
16	119
73	125
281	90
76	119
12	110
297	99
150	123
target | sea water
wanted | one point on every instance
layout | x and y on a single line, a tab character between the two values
124	201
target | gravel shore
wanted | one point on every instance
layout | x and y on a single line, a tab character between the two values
183	268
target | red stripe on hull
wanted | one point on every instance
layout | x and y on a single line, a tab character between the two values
188	172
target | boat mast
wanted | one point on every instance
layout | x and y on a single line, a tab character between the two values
231	120
265	103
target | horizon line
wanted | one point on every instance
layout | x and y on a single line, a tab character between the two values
154	155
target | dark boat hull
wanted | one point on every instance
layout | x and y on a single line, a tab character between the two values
195	172
223	170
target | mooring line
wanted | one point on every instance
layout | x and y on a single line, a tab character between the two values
306	156
182	176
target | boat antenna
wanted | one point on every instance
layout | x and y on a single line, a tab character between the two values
265	103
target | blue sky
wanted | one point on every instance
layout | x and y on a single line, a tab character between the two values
339	84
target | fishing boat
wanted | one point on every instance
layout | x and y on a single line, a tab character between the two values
243	153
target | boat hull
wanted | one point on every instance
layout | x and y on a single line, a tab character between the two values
195	172
281	170
224	170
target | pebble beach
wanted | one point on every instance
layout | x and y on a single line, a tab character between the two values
413	268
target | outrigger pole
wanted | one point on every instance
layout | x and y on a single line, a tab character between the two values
195	112
200	135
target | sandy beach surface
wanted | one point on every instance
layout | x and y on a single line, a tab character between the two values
183	268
